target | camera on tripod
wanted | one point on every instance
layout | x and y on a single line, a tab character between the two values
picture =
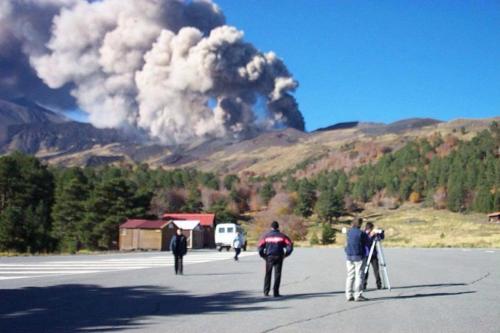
378	234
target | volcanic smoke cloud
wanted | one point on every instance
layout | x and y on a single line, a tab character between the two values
169	68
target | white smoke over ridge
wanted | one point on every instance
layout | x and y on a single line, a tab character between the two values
151	65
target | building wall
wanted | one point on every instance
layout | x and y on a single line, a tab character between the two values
143	239
159	239
197	239
125	239
150	239
208	237
168	233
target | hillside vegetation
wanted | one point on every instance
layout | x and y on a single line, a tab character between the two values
45	208
414	226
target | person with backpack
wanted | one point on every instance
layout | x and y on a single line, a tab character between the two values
273	247
178	246
237	245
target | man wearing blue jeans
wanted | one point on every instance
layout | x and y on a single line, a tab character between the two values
355	253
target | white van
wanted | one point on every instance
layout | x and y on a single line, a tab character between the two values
225	233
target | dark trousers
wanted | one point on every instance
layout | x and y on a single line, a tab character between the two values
277	263
237	252
376	272
178	264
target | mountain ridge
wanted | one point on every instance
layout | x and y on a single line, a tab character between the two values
30	128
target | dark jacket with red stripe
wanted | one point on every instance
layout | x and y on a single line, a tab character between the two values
275	243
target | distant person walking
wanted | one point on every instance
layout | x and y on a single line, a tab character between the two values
178	246
355	253
274	246
371	235
237	245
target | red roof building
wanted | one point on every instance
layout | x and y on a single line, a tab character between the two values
206	220
139	234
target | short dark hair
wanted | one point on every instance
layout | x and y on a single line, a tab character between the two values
369	225
357	222
275	225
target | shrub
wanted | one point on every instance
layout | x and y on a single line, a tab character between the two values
440	198
415	197
314	239
295	227
327	234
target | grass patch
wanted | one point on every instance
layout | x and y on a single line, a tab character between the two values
414	226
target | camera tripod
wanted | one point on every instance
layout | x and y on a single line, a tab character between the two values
377	246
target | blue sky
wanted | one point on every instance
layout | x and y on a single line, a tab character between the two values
381	60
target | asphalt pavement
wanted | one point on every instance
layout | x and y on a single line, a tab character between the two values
433	290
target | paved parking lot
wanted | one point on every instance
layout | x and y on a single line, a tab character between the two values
434	290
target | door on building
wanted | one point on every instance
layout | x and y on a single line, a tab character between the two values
135	239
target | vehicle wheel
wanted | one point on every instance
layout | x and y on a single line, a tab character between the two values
219	248
228	248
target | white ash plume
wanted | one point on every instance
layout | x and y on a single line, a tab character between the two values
169	68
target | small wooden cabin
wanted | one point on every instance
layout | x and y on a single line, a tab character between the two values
145	235
494	217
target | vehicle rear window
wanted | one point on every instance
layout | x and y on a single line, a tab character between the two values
222	230
229	229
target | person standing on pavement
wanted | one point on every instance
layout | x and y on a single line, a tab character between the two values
273	247
178	246
355	257
371	235
237	244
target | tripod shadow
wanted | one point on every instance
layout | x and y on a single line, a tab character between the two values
422	295
436	285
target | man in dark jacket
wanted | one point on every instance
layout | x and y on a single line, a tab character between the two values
178	246
274	246
355	253
371	235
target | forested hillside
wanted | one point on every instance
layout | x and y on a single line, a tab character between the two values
45	209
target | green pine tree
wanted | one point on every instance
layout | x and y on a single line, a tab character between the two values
456	188
484	200
110	204
69	210
306	199
330	204
193	201
26	198
267	192
327	234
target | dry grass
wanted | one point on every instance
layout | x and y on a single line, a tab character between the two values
413	226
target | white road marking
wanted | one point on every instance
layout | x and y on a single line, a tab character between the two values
14	277
9	271
489	251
